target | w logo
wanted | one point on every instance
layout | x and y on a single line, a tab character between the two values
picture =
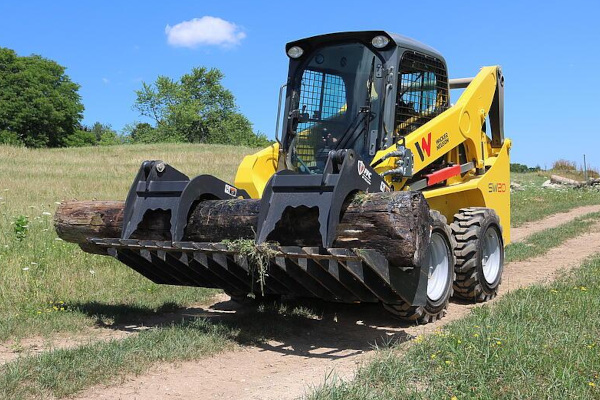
424	147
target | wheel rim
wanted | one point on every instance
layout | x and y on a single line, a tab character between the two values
491	258
439	272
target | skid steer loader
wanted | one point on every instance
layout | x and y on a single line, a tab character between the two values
367	122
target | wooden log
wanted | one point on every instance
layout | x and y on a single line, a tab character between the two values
75	221
397	224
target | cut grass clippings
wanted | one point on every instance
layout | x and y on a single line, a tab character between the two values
539	342
258	256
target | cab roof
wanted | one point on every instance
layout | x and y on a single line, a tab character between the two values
365	37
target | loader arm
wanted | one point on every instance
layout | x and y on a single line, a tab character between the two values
483	180
460	124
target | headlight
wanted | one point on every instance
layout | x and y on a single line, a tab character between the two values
380	42
295	52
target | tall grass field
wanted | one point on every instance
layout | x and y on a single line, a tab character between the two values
47	285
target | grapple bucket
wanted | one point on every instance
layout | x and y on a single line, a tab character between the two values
325	270
332	274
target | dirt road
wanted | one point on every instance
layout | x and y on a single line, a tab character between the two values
332	346
520	233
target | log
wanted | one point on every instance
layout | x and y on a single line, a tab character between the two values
396	224
75	221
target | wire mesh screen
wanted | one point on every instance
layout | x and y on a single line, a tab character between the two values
422	91
322	98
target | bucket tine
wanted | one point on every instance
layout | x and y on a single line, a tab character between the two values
292	269
316	270
371	280
160	263
346	279
272	284
239	265
135	262
224	279
181	265
144	258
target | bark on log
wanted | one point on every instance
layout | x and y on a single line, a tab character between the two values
397	224
75	221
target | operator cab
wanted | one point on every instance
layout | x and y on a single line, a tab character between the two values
360	91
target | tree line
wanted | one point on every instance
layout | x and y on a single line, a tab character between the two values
40	106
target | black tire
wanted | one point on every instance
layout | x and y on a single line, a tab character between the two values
433	309
470	227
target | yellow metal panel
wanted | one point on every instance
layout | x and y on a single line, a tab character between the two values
491	190
256	169
495	186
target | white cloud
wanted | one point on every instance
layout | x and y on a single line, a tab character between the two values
106	81
205	31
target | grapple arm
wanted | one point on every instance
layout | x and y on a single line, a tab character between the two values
345	173
158	186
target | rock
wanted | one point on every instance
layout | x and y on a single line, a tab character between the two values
559	180
549	185
515	187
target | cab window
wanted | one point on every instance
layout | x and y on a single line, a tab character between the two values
422	91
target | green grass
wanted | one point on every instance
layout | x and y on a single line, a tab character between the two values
542	342
535	202
62	373
38	272
539	243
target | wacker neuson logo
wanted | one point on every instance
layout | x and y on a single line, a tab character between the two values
230	190
364	172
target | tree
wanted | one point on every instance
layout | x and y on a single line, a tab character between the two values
39	104
105	135
97	135
516	167
196	108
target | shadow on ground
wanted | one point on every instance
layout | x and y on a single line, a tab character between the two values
308	328
109	315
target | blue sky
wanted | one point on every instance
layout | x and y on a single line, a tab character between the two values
549	52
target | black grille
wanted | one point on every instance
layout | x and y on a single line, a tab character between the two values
322	97
422	91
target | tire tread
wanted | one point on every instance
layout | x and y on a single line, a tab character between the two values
466	229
